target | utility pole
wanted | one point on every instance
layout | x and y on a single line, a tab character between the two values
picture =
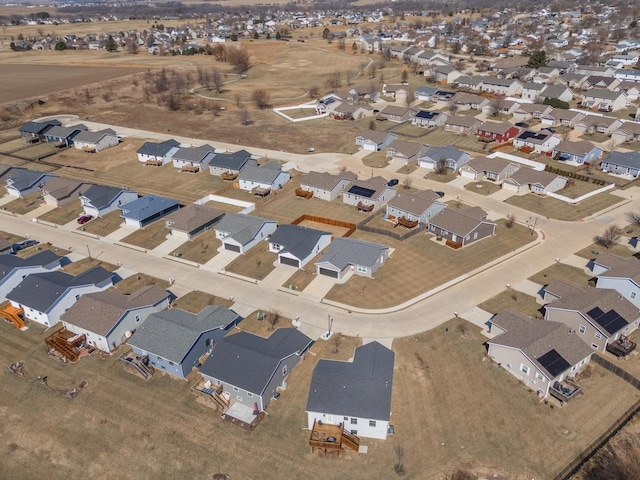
89	251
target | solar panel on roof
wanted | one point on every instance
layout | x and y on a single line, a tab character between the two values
362	191
595	313
612	321
553	363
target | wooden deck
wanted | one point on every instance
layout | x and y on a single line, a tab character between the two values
365	208
228	176
13	315
621	347
565	391
407	223
332	438
68	344
301	192
210	395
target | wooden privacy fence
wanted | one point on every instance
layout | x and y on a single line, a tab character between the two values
592	449
388	233
327	221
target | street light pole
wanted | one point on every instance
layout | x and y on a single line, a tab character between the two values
330	325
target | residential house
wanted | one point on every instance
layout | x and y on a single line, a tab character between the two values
429	119
374	140
619	274
540	354
579	152
485	168
418	206
14	269
500	132
229	162
405	151
95	142
467	101
425	94
159	153
191	220
599	82
505	87
560	117
632	89
174	340
573	80
559	288
99	200
452	157
622	163
542	141
33	132
45	296
532	91
461	227
527	111
239	233
598	316
557	92
267	176
63	135
59	191
356	394
536	181
600	124
461	124
629	75
473	83
296	245
445	74
627	132
251	369
346	255
604	100
352	111
595	70
22	182
326	186
194	159
397	114
108	318
398	91
144	210
369	195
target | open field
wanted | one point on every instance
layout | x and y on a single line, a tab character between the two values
402	277
552	208
37	151
438	137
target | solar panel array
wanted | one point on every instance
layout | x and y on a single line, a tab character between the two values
362	191
611	321
553	363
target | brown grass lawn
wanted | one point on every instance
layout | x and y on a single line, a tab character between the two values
579	188
561	271
195	301
137	281
512	299
437	137
63	214
148	237
27	252
256	263
551	208
483	188
334	230
22	206
376	160
11	237
104	225
444	177
594	250
406	170
226	207
201	249
12	145
402	277
303	276
38	151
252	324
85	264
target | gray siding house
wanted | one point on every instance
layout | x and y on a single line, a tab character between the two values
99	200
239	233
622	163
296	245
161	152
22	182
485	168
60	191
191	220
193	160
251	368
419	206
348	254
174	340
14	269
619	274
228	162
462	227
326	186
267	176
372	193
147	209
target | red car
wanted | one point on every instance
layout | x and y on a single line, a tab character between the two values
84	219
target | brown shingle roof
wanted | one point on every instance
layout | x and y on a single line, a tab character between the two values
460	222
416	203
326	181
462	121
486	164
580	147
499	128
191	217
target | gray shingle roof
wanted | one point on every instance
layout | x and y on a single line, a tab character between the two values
241	228
158	149
602	94
23	179
8	263
326	181
171	334
361	388
93	137
448	152
60	187
40	291
65	132
147	206
233	161
101	196
296	240
579	147
38	127
624	159
196	154
460	222
265	173
416	203
249	361
343	252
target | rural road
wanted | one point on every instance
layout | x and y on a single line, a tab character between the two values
558	239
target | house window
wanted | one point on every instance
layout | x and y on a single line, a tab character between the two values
582	329
594	346
284	371
598	335
353	421
433	228
524	369
361	269
249	394
236	389
633	295
475	235
171	363
444	233
539	376
239	398
354	432
345	418
137	318
77	297
372	423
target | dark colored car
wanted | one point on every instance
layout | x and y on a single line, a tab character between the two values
393	182
84	219
441	194
16	247
522	125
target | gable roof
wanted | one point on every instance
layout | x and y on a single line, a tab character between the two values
9	263
171	334
40	291
194	154
99	312
234	161
344	251
370	188
158	149
265	173
624	159
23	179
147	206
86	136
38	128
537	339
326	181
61	187
487	164
406	147
249	361
296	240
499	128
461	222
241	228
416	203
603	94
448	152
375	136
462	121
361	388
192	216
579	147
64	132
529	176
538	137
101	196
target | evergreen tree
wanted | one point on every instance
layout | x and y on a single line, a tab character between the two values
61	45
111	46
537	59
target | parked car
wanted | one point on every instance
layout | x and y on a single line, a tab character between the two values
84	219
439	193
393	182
16	247
522	125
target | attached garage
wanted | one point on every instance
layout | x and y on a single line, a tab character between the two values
328	273
231	247
294	262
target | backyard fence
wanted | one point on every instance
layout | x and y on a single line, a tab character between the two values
602	440
381	231
327	221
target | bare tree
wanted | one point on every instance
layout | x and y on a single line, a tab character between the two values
217	80
237	100
406	182
261	98
239	57
510	220
398	450
440	167
404	76
216	108
373	125
273	316
452	107
409	98
314	91
348	77
334	81
634	217
336	340
243	115
609	237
